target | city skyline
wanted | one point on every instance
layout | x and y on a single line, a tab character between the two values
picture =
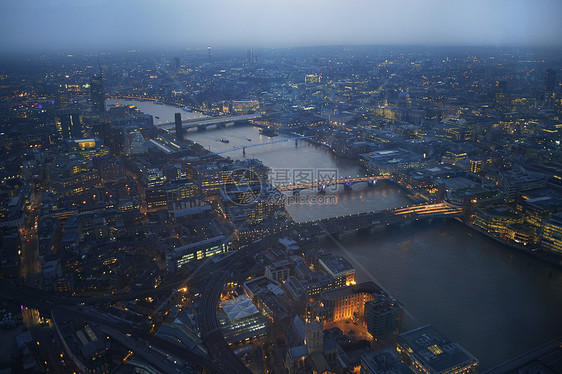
192	187
98	24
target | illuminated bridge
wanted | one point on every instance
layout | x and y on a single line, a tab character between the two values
378	219
203	123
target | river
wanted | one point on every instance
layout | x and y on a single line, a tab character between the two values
493	300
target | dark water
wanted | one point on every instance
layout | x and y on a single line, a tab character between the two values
493	300
165	113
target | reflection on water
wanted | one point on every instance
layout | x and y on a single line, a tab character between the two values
493	300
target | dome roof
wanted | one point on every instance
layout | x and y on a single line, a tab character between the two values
404	95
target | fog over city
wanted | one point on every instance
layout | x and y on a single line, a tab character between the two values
63	25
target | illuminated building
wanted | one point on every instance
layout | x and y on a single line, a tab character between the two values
73	175
520	233
155	198
241	173
245	106
68	123
253	206
89	148
539	209
342	273
512	182
180	193
243	320
384	317
312	78
180	256
426	351
502	99
496	219
551	237
152	176
452	158
345	302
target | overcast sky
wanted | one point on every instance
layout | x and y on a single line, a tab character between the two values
65	25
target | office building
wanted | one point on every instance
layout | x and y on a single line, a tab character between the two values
245	106
279	271
345	303
551	238
427	351
243	320
97	94
513	182
68	123
384	317
342	273
503	102
385	361
73	175
179	128
549	81
200	250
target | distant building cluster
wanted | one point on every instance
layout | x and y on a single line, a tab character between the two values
139	250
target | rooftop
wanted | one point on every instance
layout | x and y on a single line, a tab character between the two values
434	350
239	308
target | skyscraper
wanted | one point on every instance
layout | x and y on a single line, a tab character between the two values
549	80
68	123
502	96
97	94
250	57
179	128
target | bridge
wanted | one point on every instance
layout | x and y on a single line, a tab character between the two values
377	219
370	221
323	184
243	148
203	123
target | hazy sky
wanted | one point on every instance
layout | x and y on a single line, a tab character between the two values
40	25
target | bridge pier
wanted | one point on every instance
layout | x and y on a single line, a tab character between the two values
244	151
372	183
296	192
347	186
322	188
201	128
